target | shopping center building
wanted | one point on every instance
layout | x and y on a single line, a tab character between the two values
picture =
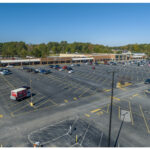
73	58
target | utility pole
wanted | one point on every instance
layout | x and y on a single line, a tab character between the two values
31	103
112	93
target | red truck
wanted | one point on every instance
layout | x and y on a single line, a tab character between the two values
20	93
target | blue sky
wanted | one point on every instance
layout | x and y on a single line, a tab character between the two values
107	24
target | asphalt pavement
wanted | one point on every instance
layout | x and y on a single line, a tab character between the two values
84	94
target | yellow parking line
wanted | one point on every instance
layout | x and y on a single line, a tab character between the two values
23	113
95	110
74	85
100	113
118	99
148	130
131	113
77	90
66	101
11	114
107	90
1	116
87	115
53	102
20	108
21	102
45	101
8	82
75	98
135	95
84	93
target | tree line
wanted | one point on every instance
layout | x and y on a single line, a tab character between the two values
21	49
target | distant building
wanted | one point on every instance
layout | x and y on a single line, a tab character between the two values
138	56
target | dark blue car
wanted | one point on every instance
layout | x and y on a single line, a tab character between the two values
147	81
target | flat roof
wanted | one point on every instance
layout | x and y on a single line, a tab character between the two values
20	60
82	58
19	89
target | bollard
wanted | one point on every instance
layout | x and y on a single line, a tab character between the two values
31	104
76	139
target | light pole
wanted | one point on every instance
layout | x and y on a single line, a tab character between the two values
31	103
110	118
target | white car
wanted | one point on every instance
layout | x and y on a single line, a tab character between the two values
70	71
1	72
38	70
4	72
61	69
72	65
9	66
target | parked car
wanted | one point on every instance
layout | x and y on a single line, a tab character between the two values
69	68
57	67
9	66
72	65
43	71
147	91
70	71
47	72
96	63
24	68
64	67
51	66
147	81
5	72
29	69
1	69
60	69
36	71
78	64
93	67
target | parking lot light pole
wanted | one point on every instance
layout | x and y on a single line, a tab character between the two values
31	103
112	92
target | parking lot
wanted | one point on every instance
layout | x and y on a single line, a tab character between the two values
85	92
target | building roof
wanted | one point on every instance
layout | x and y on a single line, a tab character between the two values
18	90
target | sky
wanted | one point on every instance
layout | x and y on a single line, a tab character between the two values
108	24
